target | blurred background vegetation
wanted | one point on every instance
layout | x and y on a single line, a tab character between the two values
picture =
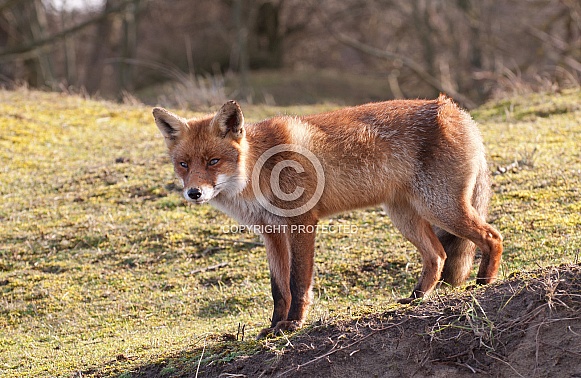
193	54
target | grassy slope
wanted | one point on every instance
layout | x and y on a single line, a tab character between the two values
101	262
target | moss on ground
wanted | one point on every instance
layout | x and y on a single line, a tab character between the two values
103	266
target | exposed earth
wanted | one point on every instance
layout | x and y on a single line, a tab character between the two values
526	326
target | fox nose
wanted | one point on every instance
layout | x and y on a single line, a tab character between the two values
194	193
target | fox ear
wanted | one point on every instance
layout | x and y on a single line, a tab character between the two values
229	120
169	124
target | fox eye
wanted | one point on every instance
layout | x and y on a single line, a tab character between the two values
183	164
213	162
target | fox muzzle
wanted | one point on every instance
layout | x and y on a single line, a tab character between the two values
193	194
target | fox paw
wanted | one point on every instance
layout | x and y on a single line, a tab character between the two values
412	299
416	296
282	326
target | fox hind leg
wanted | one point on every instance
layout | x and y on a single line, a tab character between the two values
465	222
420	233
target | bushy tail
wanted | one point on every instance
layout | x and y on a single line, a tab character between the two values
459	251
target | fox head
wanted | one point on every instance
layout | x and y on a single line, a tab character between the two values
208	153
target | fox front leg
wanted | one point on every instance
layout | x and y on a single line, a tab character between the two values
300	282
278	253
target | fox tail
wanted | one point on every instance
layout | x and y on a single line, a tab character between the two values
460	252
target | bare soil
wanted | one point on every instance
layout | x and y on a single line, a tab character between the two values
526	326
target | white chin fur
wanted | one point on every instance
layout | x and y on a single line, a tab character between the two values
234	185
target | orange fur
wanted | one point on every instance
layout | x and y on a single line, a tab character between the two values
422	160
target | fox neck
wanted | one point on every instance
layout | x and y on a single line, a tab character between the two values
244	168
239	201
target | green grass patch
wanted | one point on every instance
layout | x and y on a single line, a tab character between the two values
104	269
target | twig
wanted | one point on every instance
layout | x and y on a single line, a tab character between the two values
469	367
211	249
537	347
334	349
502	170
241	329
573	332
288	342
208	268
503	361
201	355
528	160
237	241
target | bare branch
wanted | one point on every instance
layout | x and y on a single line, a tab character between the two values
405	61
560	45
41	43
7	4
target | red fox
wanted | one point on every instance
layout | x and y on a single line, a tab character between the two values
422	160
